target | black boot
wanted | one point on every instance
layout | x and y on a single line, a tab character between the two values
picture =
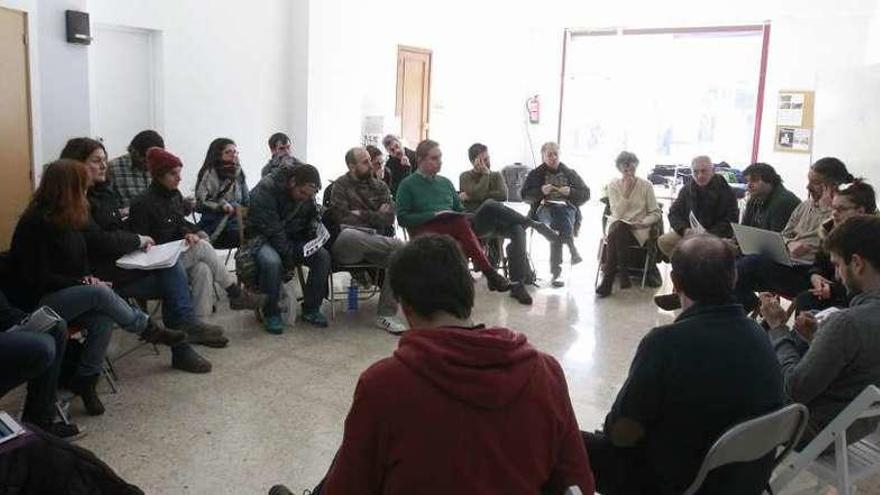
518	291
607	284
158	335
668	302
572	249
84	386
185	358
495	281
623	277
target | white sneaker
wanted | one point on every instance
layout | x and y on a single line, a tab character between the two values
390	325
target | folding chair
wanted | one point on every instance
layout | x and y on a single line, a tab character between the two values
376	272
845	464
751	440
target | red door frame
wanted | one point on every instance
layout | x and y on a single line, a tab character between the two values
764	29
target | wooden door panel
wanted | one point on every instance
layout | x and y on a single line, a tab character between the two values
16	168
413	93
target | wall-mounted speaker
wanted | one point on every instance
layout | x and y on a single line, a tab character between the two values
78	27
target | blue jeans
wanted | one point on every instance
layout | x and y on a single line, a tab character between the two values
95	308
560	218
35	358
270	271
172	286
756	273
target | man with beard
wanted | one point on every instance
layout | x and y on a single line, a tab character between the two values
361	205
827	363
401	160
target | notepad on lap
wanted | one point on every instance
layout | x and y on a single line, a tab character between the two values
156	258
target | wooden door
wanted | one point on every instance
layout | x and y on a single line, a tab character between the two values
413	92
16	167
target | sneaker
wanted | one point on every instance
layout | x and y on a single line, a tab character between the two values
157	335
495	281
668	302
185	358
206	334
245	300
518	291
273	324
315	318
390	325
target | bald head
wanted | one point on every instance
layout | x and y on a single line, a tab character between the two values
704	269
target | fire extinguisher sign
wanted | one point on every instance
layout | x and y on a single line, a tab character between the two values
534	108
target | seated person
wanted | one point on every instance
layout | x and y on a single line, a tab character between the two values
713	203
284	216
689	382
107	239
159	213
131	177
482	193
401	161
427	203
282	153
50	267
760	273
709	197
634	212
770	204
377	163
221	193
556	193
362	206
33	357
843	354
459	407
825	290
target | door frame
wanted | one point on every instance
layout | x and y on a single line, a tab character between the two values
157	87
763	29
426	87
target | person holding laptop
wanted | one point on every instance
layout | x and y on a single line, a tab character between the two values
759	272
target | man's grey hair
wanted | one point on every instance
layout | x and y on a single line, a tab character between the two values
388	139
549	145
701	159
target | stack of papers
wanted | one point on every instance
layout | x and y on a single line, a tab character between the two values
156	258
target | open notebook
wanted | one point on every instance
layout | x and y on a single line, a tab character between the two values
156	258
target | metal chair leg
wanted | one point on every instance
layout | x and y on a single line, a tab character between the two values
110	375
332	288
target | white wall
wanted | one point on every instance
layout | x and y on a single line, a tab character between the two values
224	72
490	56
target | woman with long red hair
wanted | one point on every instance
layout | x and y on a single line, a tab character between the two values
51	268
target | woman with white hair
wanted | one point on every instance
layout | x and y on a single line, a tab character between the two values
634	211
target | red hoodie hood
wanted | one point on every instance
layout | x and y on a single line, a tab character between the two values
486	368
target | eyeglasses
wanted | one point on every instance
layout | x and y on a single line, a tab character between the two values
841	208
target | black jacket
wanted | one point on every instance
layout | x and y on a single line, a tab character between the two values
714	206
689	382
531	190
772	212
108	238
44	259
159	213
284	223
398	171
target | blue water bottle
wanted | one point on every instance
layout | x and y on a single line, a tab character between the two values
353	296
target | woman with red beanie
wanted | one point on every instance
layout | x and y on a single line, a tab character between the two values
159	213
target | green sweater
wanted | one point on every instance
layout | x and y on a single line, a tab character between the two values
480	187
419	198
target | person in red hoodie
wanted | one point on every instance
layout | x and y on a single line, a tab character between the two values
458	408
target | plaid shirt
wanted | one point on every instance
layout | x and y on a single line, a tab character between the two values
127	181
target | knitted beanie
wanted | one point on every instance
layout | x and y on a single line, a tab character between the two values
160	162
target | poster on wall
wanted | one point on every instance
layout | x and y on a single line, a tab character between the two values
794	121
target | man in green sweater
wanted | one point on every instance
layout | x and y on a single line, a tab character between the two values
482	192
428	203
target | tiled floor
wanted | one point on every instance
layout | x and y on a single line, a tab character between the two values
273	408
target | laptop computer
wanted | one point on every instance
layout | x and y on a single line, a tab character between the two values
753	240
